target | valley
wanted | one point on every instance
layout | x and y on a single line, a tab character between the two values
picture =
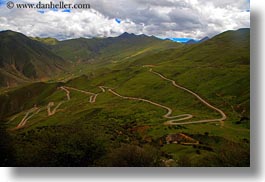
115	101
93	96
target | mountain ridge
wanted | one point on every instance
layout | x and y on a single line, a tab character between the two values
41	57
86	49
26	58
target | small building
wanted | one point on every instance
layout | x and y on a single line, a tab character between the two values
181	138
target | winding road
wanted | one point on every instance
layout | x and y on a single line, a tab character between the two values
92	97
169	110
78	90
28	116
51	104
173	120
67	92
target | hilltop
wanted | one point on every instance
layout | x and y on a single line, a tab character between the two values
24	60
117	48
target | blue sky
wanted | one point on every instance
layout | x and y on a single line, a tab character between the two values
2	2
181	39
118	20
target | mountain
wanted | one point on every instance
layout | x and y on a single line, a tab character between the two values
121	47
127	35
235	44
179	40
23	59
191	41
204	39
120	113
47	40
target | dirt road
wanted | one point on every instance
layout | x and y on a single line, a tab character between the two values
28	116
67	92
51	104
169	110
92	97
78	90
174	120
171	122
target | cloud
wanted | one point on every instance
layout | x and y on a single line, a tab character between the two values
163	18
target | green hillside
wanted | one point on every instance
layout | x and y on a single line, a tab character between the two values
47	40
23	59
118	111
112	49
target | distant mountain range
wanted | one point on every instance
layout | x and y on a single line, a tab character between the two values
119	47
25	59
188	40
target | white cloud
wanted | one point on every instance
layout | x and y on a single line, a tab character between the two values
163	18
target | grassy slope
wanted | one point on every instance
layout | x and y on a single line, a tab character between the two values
47	40
109	49
25	58
222	79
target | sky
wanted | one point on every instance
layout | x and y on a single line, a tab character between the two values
162	18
